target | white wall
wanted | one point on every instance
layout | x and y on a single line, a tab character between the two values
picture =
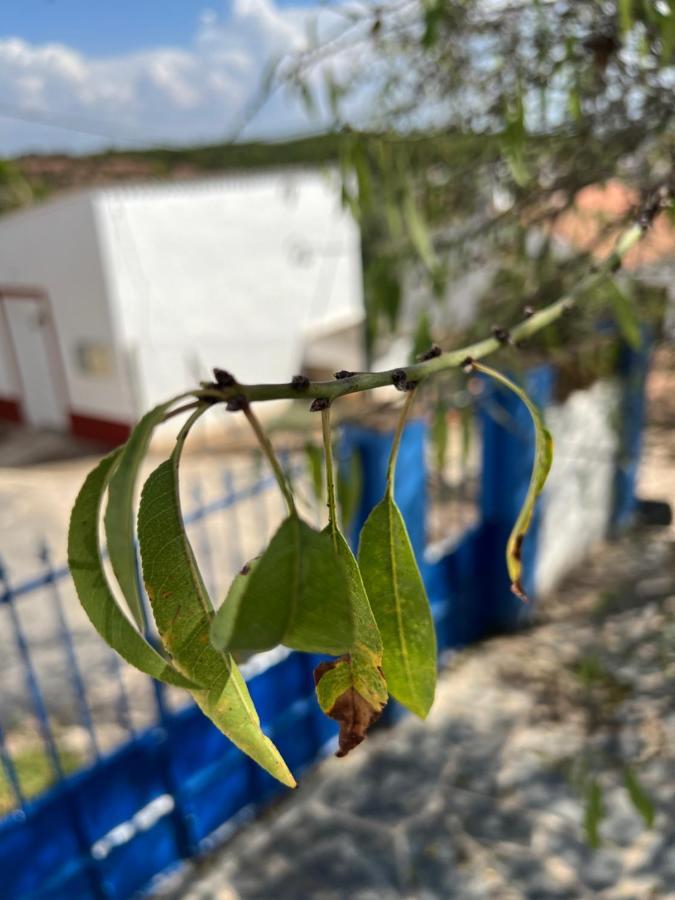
55	248
231	272
578	497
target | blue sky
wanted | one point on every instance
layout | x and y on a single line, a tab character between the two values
108	26
125	72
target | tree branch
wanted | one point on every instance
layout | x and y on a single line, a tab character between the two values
418	372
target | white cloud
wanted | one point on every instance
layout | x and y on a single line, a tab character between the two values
171	94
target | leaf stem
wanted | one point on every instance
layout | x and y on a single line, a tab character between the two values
268	450
183	433
330	477
396	443
186	407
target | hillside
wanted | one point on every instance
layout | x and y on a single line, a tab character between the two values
43	175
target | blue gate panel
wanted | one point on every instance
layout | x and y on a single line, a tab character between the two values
113	793
41	849
410	489
129	866
194	743
217	794
272	690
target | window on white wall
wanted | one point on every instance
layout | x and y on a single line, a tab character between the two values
94	359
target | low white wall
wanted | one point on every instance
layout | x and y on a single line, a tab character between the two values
577	500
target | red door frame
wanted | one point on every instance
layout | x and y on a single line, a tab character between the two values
15	407
84	426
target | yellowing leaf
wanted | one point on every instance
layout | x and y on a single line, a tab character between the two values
543	457
183	613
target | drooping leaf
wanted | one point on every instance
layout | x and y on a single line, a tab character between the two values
418	232
119	515
340	700
543	457
399	603
367	649
639	797
352	690
296	595
593	813
91	583
183	613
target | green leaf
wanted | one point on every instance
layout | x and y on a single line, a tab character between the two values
593	813
91	584
183	613
400	606
543	457
625	315
296	595
119	515
625	15
640	799
418	232
366	650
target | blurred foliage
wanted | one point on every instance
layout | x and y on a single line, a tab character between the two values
15	190
467	125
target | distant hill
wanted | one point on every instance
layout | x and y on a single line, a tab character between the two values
52	173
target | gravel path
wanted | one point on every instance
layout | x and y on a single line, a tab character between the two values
487	799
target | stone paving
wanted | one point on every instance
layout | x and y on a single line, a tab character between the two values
487	798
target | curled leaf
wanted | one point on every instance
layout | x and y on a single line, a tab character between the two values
340	700
93	589
119	515
183	613
543	457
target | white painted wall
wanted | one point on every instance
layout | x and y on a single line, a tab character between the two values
578	497
232	272
55	248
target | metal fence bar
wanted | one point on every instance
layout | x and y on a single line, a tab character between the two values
10	772
122	704
67	640
31	680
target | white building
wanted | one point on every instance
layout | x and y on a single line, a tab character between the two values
112	300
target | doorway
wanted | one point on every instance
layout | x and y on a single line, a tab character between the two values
33	339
